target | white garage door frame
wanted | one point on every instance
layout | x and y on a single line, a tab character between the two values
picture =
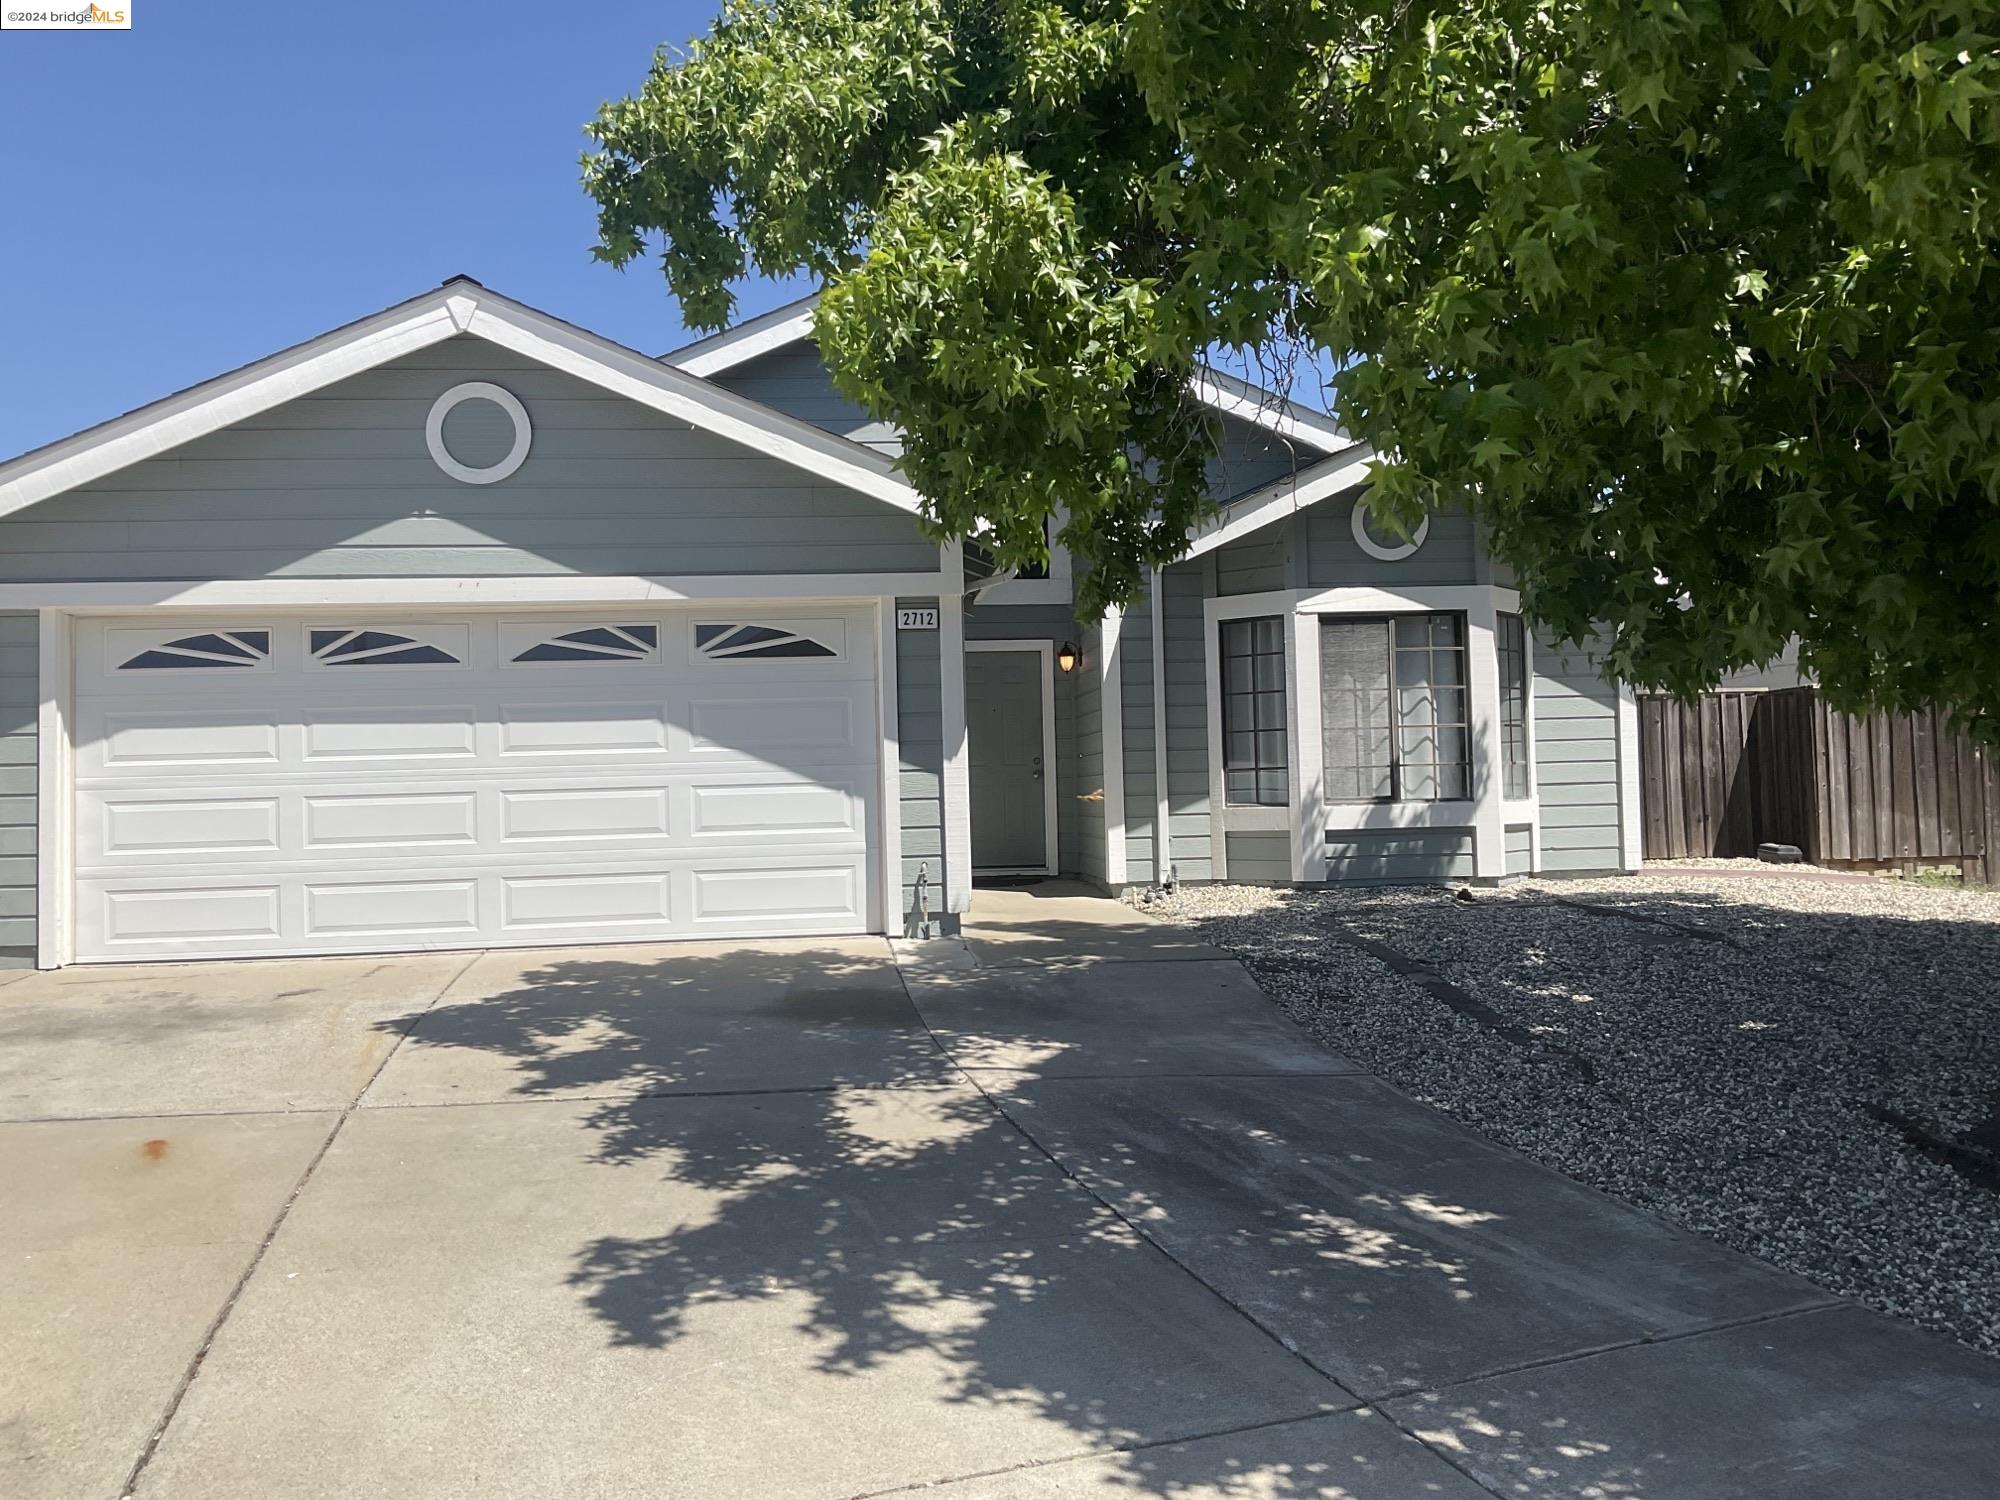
60	606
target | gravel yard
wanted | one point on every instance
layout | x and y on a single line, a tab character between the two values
1806	1069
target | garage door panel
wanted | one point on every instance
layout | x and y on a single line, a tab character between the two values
798	729
599	899
830	890
146	915
376	821
319	807
390	732
584	730
183	827
170	737
627	812
771	810
392	908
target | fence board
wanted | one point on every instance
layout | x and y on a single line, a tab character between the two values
1950	842
1837	802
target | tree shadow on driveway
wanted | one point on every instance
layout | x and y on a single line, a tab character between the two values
813	1153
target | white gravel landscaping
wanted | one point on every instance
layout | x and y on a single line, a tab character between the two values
1808	1070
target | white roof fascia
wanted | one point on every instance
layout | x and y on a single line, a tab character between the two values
460	306
1236	397
731	347
214	404
1282	498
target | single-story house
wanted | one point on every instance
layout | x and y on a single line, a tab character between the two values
460	626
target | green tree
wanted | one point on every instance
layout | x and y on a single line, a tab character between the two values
1692	300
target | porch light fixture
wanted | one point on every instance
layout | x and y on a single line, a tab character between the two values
1066	656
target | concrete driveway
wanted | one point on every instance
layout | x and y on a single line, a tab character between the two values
1085	1217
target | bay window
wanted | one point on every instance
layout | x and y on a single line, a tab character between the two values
1394	713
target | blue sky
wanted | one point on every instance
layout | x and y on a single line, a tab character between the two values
226	179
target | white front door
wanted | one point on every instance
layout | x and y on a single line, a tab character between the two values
330	784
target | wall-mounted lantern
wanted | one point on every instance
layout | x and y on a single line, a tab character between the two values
1067	656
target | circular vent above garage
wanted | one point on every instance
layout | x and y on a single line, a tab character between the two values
485	430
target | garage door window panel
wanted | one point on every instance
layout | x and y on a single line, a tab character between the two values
748	641
207	650
384	646
584	645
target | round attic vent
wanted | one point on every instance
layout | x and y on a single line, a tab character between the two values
1381	543
477	390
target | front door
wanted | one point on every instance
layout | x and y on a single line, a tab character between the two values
1003	712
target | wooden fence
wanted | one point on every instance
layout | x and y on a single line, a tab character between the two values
1732	770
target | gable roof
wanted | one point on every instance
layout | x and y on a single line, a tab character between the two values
1282	498
1215	389
460	305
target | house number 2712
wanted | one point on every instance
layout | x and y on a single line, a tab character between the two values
917	619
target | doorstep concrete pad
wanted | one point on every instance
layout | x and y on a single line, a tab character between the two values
1109	1019
159	1039
1388	1244
119	1243
1838	1404
1353	1455
480	1302
1064	922
666	1018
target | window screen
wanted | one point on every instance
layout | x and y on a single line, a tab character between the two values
1357	728
1254	766
1511	645
1393	709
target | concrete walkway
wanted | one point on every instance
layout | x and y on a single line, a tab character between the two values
1065	1210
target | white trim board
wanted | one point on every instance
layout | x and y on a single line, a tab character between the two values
955	785
742	342
1052	857
1163	808
453	593
459	306
55	846
888	730
1282	498
1234	396
56	811
1111	714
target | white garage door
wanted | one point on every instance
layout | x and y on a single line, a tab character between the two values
327	785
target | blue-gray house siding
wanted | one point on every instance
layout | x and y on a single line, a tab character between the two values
920	751
340	484
1575	719
20	706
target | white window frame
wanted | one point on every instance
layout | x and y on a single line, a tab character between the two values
1396	722
1044	651
1310	815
